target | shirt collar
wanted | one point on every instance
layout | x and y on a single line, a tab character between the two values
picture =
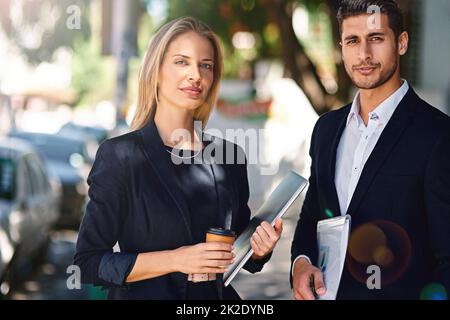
385	110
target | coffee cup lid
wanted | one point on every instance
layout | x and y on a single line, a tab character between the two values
222	232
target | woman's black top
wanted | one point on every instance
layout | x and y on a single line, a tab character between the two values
199	187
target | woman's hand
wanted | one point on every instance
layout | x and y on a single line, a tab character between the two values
265	238
211	257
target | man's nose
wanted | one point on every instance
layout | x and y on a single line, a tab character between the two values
365	51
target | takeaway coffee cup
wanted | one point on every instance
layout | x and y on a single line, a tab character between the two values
220	235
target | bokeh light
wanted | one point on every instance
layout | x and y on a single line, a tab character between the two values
434	291
329	213
381	243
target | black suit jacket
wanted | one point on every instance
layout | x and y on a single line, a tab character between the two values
136	199
405	181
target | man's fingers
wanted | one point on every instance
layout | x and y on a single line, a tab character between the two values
305	290
302	291
319	284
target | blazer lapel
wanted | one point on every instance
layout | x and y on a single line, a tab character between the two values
159	159
332	192
388	139
227	205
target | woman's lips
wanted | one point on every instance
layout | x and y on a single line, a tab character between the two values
192	92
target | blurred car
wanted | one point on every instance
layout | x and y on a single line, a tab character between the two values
71	129
28	207
68	159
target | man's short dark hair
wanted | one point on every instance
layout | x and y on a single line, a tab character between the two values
351	8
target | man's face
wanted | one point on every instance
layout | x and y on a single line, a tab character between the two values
371	52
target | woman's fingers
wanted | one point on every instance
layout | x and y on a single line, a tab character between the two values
256	249
219	255
216	246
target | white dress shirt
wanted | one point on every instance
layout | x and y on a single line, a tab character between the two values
357	143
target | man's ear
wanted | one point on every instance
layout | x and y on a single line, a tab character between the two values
403	41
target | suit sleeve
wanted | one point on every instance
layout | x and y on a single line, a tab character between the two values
100	228
305	236
437	199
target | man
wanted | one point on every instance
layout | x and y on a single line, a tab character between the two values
384	160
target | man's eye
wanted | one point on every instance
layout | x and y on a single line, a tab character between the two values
376	39
351	42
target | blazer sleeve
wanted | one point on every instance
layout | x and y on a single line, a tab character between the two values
100	228
244	213
304	241
437	200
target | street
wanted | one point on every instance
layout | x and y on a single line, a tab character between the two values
49	281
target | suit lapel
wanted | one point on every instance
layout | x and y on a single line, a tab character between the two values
160	161
332	192
387	141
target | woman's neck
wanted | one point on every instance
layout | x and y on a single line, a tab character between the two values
176	128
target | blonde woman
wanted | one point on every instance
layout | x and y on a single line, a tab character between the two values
157	206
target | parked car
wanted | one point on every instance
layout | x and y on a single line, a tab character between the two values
72	130
28	207
69	160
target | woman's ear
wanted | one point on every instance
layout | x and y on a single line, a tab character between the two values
403	41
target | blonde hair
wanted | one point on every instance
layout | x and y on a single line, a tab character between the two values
148	74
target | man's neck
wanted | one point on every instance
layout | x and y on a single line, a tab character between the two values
370	99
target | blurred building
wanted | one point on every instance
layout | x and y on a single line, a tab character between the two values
431	47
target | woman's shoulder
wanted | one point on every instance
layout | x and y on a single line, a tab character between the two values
120	147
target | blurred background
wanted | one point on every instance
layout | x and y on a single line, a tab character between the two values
68	80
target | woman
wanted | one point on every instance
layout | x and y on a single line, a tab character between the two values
158	211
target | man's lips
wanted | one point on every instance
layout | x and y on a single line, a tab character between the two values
365	70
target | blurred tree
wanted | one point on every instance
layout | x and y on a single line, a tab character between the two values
39	27
271	22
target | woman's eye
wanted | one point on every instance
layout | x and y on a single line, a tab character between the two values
206	66
181	62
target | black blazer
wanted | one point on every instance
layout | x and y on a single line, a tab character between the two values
405	181
136	200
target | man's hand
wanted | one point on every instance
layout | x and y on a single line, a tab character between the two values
303	271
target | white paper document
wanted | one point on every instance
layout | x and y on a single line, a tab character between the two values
332	241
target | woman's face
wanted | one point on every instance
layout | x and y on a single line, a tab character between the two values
186	74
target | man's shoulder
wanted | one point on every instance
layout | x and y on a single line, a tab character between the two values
432	118
332	119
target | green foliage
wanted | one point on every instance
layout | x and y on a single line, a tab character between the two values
88	71
227	18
